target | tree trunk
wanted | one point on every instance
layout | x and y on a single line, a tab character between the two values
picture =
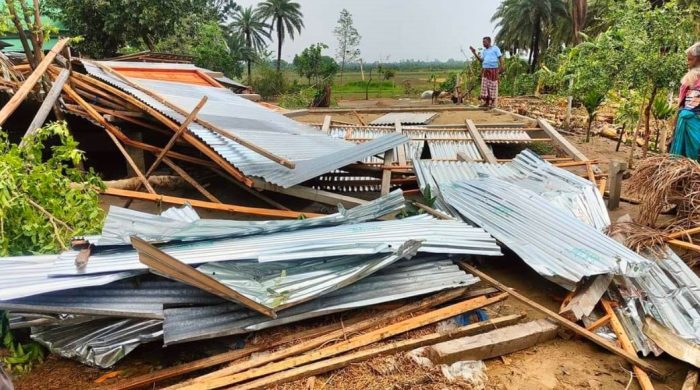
149	42
579	9
647	115
588	130
249	46
536	46
630	161
250	78
619	140
279	44
20	32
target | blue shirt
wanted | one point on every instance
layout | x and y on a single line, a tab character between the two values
490	57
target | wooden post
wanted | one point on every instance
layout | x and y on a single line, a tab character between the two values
626	344
401	150
47	104
617	169
600	341
386	173
561	142
486	153
326	128
30	82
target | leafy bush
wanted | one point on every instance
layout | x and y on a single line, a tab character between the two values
269	83
372	84
45	200
301	99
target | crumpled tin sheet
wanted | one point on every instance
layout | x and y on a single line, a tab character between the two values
99	343
131	298
279	285
23	276
403	279
437	236
183	223
560	187
551	241
313	152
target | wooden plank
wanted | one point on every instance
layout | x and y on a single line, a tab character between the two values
462	156
181	172
326	127
600	341
684	245
432	211
389	159
602	183
30	82
586	297
492	344
207	205
626	344
380	319
359	341
574	163
599	322
224	133
691	380
672	343
591	175
387	349
560	141
359	118
616	170
172	268
47	104
97	117
400	149
194	141
484	150
684	233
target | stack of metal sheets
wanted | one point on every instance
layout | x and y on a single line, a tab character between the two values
301	269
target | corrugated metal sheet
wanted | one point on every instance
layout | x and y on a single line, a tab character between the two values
23	276
405	118
185	225
313	152
404	279
280	285
372	132
99	343
129	298
553	242
560	187
447	150
438	236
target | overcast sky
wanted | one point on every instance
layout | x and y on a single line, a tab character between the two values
393	30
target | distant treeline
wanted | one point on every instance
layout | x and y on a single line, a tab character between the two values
407	65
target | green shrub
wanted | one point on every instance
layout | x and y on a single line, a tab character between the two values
301	99
269	83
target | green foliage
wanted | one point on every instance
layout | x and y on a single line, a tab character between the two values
348	40
45	200
22	357
313	65
515	80
450	82
661	109
250	26
268	82
427	199
285	17
301	99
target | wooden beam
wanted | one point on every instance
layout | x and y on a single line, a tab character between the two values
389	159
387	349
172	268
626	344
684	233
371	322
46	105
684	245
600	341
602	183
181	172
224	133
574	163
356	342
560	141
252	191
326	127
585	297
207	205
400	149
599	322
432	211
617	169
30	82
672	343
359	118
484	150
97	117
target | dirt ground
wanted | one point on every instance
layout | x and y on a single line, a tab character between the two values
572	363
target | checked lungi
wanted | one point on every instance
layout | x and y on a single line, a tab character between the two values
489	84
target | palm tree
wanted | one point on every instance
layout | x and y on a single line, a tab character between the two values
527	24
250	25
285	16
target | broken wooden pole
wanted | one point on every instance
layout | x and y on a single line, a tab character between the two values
492	344
30	82
326	127
597	339
389	158
484	150
401	151
207	205
616	170
47	104
585	297
626	344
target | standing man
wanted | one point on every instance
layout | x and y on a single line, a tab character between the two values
492	65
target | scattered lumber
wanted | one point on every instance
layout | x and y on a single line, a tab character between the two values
350	344
585	298
387	349
626	344
671	343
600	341
48	103
492	344
480	144
206	205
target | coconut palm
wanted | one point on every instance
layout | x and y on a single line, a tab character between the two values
250	25
285	17
527	24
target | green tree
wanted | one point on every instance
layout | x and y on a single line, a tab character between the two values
252	27
348	40
313	65
285	17
528	24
